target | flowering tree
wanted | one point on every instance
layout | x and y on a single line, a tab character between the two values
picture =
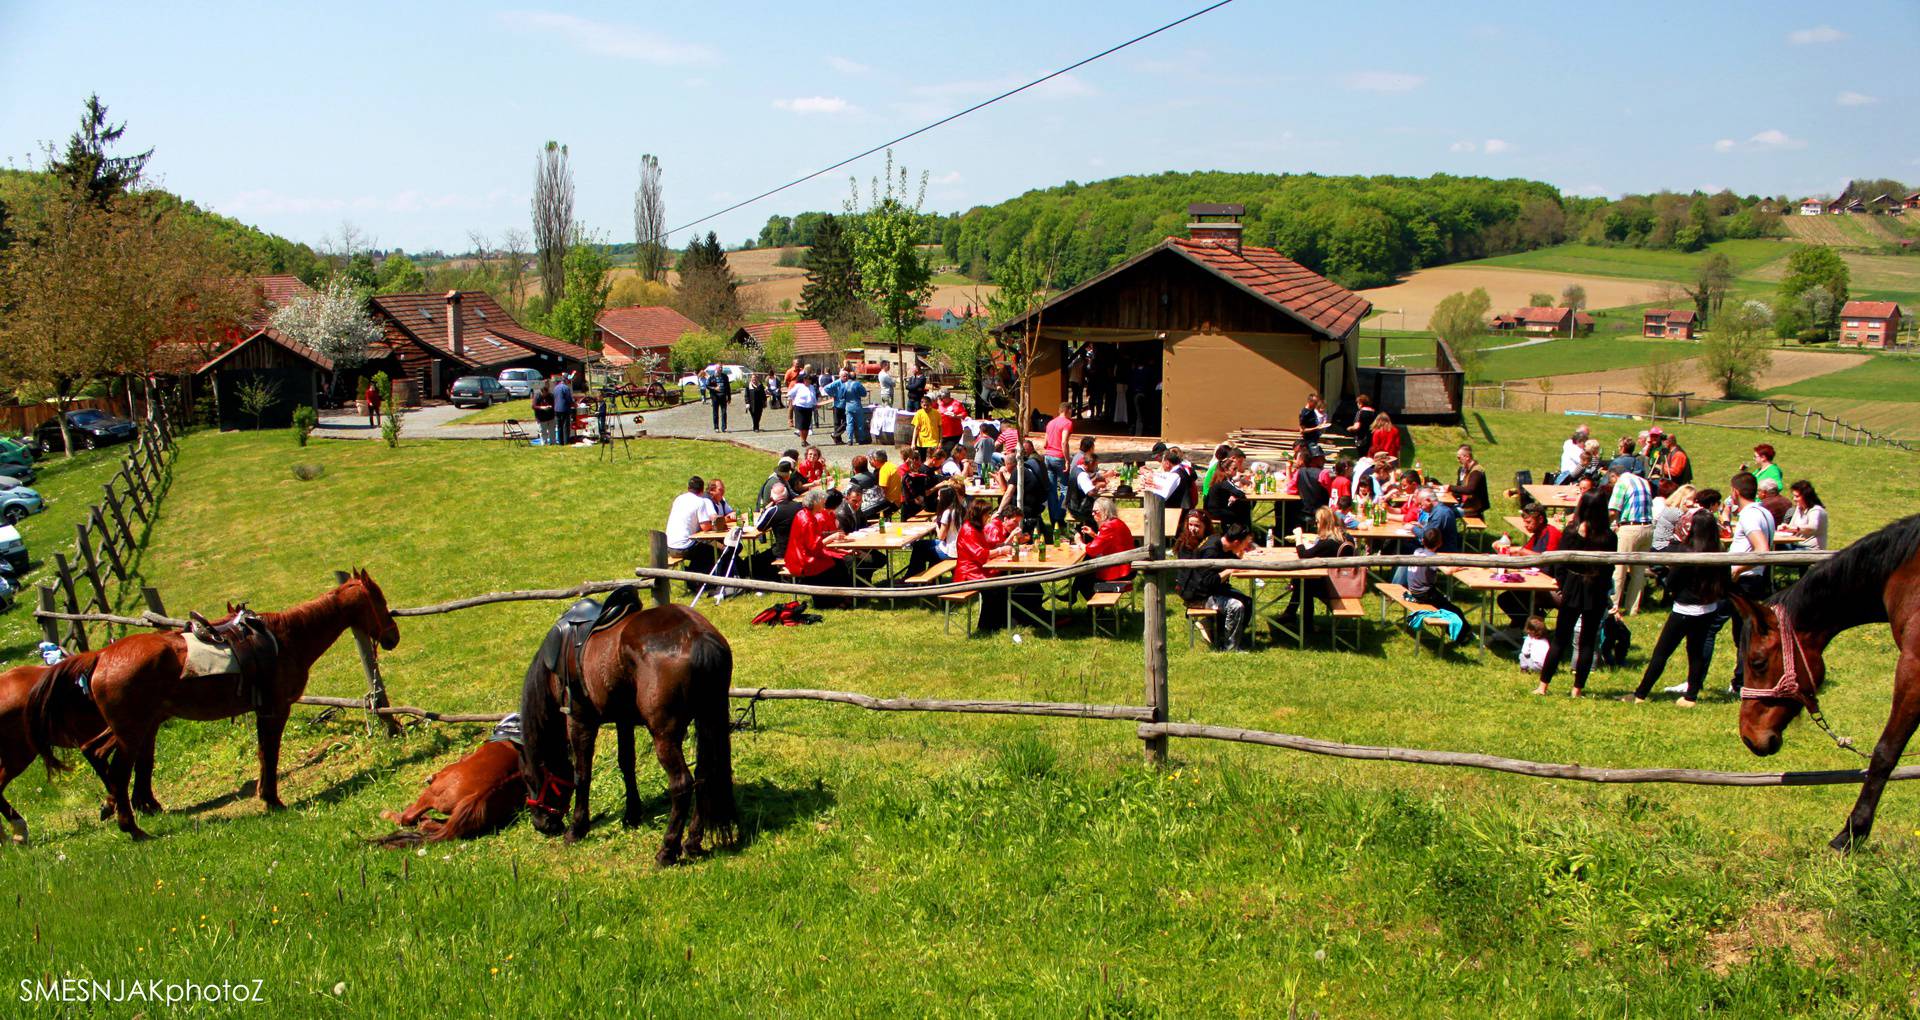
333	322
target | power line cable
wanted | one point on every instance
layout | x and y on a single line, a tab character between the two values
1109	51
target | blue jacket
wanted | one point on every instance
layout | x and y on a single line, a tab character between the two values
563	399
1445	518
847	392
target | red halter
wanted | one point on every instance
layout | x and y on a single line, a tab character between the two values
1792	658
557	788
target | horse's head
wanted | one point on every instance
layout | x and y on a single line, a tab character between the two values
1783	671
545	763
369	606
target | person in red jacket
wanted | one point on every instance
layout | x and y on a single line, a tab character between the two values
1385	437
1542	537
373	405
1108	536
809	559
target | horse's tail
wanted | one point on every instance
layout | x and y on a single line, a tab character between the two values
400	839
43	705
712	668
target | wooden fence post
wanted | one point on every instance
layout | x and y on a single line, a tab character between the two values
119	518
1769	416
1154	624
151	595
92	564
133	493
76	631
370	664
657	555
49	629
1683	408
106	543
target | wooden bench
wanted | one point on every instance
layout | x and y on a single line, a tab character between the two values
1397	595
1473	531
1348	609
1107	602
958	598
1197	617
940	571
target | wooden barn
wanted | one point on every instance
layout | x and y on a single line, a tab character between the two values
433	339
1201	335
297	372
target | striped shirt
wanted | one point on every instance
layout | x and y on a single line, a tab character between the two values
1632	499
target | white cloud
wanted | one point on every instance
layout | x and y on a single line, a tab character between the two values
845	66
1774	138
1724	145
1495	146
1096	161
1817	34
1383	81
609	39
950	177
1590	191
1464	145
814	104
1852	98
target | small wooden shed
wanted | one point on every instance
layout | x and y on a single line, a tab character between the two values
299	372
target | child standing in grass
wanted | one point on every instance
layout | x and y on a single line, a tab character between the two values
1533	650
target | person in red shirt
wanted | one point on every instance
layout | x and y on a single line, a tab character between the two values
953	417
1385	437
812	466
1109	535
809	559
373	405
1542	537
1003	527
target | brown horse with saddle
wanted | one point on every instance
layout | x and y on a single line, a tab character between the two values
248	662
664	668
81	727
1874	580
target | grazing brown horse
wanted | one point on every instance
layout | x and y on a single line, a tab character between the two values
140	682
1875	580
479	793
662	668
80	726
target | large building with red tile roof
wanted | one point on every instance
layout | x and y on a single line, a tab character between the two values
627	333
1869	323
810	339
1213	334
434	339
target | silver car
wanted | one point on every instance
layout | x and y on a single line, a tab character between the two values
519	382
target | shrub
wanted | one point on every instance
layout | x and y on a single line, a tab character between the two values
304	422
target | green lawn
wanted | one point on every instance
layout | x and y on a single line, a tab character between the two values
71	487
936	864
1579	354
1641	263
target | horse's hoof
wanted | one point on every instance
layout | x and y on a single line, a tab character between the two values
575	836
667	857
632	819
138	835
1843	842
106	811
148	807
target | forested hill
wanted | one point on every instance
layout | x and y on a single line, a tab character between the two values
250	249
1359	231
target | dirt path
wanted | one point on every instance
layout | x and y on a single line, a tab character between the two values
1509	289
1576	392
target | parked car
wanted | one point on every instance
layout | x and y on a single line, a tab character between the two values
17	503
90	428
13	549
737	374
519	382
26	448
16	461
476	391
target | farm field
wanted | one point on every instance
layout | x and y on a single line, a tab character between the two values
1878	394
1640	263
1596	353
1422	290
1871	277
764	283
1575	391
1845	231
944	864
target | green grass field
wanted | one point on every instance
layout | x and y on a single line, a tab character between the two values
1641	263
71	487
1579	354
941	865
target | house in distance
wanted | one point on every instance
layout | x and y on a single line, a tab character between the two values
1668	324
433	339
1869	323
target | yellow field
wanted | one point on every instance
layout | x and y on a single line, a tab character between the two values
1509	288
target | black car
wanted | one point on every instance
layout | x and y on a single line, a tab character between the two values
476	391
90	428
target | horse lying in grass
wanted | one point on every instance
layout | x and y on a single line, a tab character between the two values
663	668
1874	580
478	794
142	680
80	726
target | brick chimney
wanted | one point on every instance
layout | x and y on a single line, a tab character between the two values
1215	224
455	341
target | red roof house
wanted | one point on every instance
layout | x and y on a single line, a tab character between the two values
1214	334
1551	321
436	338
1668	324
626	333
1869	323
810	339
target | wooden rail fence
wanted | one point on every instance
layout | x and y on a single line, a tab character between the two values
1152	724
104	541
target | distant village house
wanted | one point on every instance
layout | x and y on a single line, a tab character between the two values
1869	323
626	334
1669	324
433	339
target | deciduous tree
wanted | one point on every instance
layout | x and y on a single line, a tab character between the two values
572	317
399	274
333	322
650	222
1735	352
553	227
1460	319
895	277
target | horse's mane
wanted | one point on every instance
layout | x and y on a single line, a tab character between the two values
1847	590
543	729
302	615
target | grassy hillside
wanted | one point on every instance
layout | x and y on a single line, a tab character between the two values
940	864
1642	263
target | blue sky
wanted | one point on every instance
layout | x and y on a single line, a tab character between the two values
420	122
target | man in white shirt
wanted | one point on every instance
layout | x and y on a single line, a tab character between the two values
691	512
885	382
1752	532
1571	452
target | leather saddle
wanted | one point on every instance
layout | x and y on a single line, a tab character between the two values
581	621
248	646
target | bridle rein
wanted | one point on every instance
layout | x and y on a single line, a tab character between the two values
1793	685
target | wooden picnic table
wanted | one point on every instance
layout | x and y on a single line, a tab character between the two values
1562	496
887	539
1026	559
747	534
974	489
1135	518
1276	563
1275	505
1489	582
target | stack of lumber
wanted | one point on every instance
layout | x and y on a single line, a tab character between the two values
1277	444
